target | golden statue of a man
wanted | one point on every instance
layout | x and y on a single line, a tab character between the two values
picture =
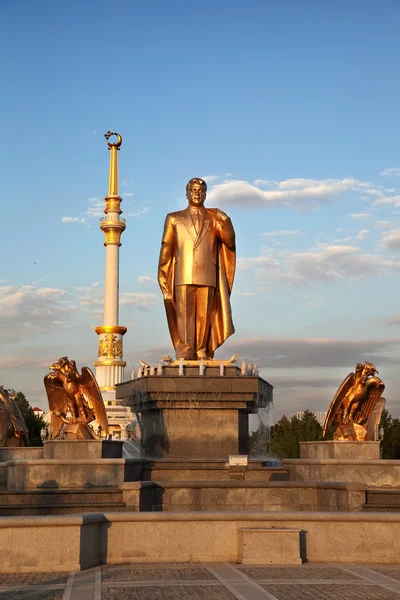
195	272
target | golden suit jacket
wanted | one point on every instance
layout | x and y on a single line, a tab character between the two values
206	257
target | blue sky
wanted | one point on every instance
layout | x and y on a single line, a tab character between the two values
289	110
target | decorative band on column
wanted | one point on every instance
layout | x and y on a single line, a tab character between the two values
110	329
109	363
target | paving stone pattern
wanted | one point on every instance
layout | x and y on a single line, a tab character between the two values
330	592
153	573
214	592
208	582
393	572
32	595
300	572
32	578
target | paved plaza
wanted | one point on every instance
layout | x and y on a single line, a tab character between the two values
208	582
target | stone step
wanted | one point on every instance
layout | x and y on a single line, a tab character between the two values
54	509
60	497
381	507
383	497
212	472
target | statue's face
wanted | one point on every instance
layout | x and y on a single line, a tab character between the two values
196	195
370	369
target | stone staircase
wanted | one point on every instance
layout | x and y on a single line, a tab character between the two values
61	501
382	500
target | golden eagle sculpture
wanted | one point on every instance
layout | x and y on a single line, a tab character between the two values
357	405
68	391
13	430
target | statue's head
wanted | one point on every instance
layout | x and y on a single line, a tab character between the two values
196	191
369	370
59	365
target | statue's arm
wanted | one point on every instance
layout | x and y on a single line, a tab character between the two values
166	256
225	230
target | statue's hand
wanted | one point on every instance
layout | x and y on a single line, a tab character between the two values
168	296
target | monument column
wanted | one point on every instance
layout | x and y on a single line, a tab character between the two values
110	364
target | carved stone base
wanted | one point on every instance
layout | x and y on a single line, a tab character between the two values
340	449
184	415
350	431
77	431
82	449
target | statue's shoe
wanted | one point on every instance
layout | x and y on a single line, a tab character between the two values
203	355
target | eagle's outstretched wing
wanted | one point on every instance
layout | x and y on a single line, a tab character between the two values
15	416
374	420
57	401
337	400
370	409
92	393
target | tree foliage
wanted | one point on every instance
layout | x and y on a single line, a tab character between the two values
282	440
390	443
33	422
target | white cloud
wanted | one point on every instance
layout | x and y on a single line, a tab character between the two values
329	262
360	215
382	224
127	181
74	220
363	234
344	240
92	299
394	200
26	311
96	207
146	279
312	352
141	301
391	239
393	172
137	213
263	182
211	178
395	320
51	292
94	211
297	193
279	233
337	262
23	363
129	193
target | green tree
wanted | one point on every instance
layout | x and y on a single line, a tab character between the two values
286	434
390	443
310	429
33	422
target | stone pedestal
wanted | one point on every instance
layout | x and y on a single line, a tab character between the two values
82	449
334	461
185	415
64	473
340	449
